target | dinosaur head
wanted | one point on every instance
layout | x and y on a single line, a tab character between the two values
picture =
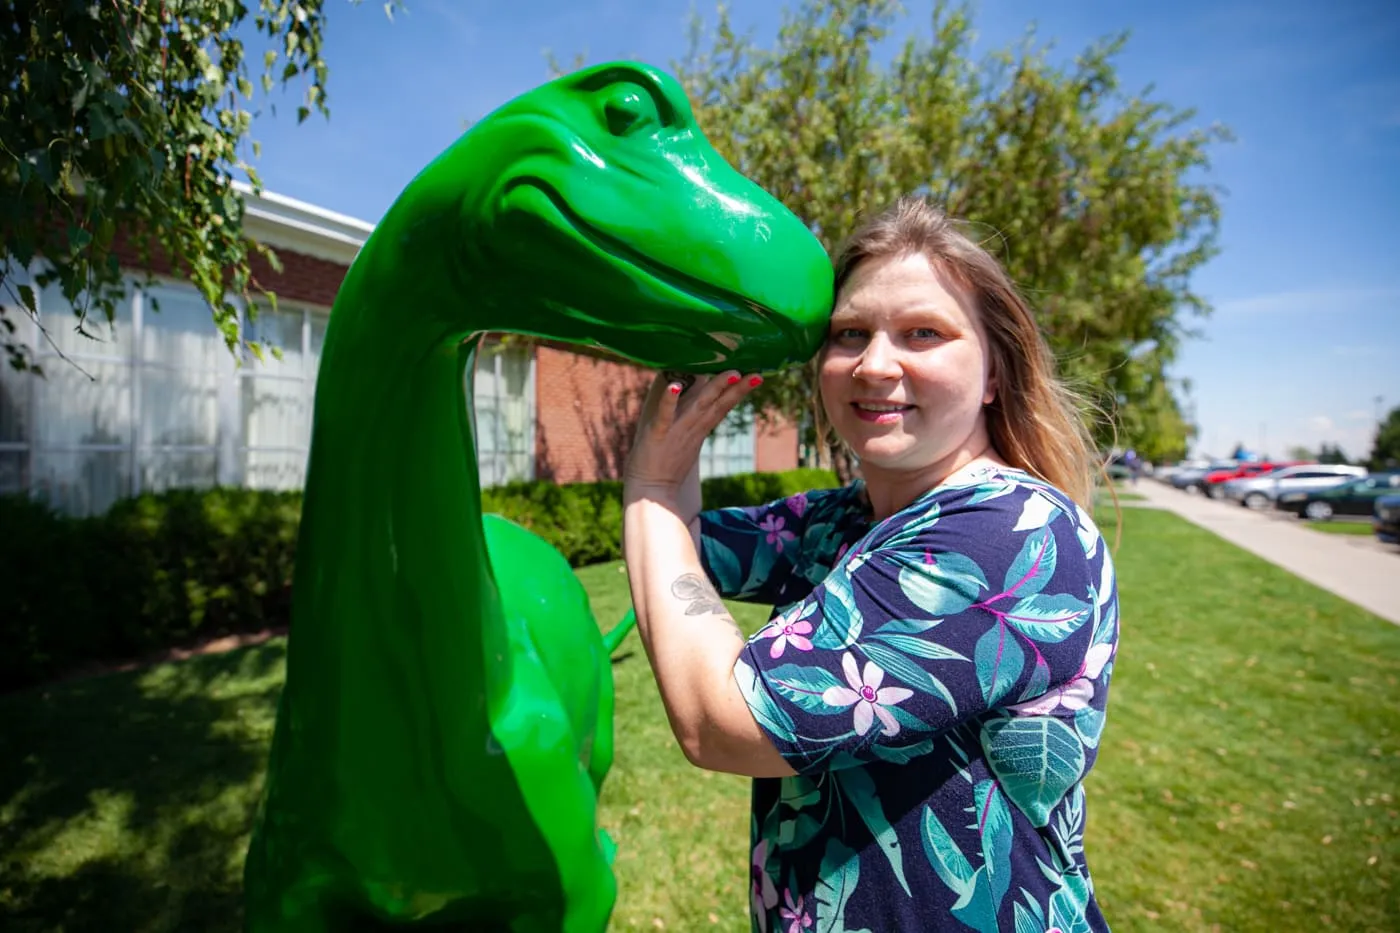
603	216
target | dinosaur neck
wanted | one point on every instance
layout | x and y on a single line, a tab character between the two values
394	507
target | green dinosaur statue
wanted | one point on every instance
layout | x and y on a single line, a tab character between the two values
446	723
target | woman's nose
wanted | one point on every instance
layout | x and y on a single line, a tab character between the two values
878	360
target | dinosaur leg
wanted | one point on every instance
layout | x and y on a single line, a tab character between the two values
542	749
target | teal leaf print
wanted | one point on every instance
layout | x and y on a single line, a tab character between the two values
768	713
946	858
1089	723
906	670
994	826
920	647
840	872
799	791
1048	618
988	491
1107	632
1026	922
944	584
1068	903
1033	567
804	686
723	563
859	789
907	626
841	620
902	754
913	528
1000	660
798	831
1037	759
1040	680
1037	512
763	558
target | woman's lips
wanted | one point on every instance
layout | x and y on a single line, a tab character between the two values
880	413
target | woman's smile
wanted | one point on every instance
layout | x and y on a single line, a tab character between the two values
881	412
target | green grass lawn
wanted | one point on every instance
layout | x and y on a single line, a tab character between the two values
1247	780
1335	527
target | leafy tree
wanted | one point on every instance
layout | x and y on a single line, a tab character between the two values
1332	453
127	122
1090	196
1385	451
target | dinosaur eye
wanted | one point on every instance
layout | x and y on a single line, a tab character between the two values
629	110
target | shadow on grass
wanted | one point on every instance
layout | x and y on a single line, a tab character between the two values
126	800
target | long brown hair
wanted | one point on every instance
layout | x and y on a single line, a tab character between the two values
1035	421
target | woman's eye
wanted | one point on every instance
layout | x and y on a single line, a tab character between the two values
847	334
924	333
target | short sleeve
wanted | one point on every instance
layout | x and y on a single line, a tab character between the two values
754	554
968	602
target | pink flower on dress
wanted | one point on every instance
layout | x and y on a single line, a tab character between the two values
777	534
790	629
797	504
764	895
797	917
869	698
1074	695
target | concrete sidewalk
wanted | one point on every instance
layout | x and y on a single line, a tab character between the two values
1359	569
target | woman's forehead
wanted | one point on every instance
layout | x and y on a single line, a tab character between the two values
897	285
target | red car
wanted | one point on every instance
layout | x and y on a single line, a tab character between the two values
1212	483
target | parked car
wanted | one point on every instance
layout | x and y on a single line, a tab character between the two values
1258	492
1189	479
1213	484
1167	471
1357	497
1387	519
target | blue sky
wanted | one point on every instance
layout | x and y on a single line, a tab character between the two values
1305	335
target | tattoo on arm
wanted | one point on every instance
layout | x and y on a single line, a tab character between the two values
698	592
702	598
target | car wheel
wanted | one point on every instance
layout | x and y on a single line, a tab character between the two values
1256	500
1318	511
1213	491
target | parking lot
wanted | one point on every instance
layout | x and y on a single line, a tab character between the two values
1358	568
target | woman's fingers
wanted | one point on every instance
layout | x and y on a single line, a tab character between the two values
711	398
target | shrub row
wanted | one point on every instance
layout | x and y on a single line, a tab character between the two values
166	569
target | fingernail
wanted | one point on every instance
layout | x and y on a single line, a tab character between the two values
755	381
733	380
673	389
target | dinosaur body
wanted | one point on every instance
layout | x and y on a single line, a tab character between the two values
446	723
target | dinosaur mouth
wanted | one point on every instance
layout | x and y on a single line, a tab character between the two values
751	313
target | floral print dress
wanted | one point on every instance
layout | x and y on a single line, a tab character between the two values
938	680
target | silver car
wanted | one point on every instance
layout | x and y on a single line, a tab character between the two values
1259	492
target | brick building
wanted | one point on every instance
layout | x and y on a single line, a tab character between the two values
156	401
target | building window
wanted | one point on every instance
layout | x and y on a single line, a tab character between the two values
503	388
154	401
730	449
83	407
275	397
181	359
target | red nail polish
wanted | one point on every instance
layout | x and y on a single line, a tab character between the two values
674	389
755	381
733	380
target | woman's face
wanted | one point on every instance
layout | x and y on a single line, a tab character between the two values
905	370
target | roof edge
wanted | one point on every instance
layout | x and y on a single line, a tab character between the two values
281	221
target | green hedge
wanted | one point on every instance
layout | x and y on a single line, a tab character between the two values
167	569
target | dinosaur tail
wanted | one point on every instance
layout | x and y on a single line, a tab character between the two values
619	631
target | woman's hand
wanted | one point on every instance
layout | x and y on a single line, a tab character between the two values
664	461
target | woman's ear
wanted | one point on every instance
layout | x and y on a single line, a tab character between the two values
989	393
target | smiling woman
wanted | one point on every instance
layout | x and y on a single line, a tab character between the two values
921	710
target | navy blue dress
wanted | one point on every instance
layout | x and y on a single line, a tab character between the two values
938	680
